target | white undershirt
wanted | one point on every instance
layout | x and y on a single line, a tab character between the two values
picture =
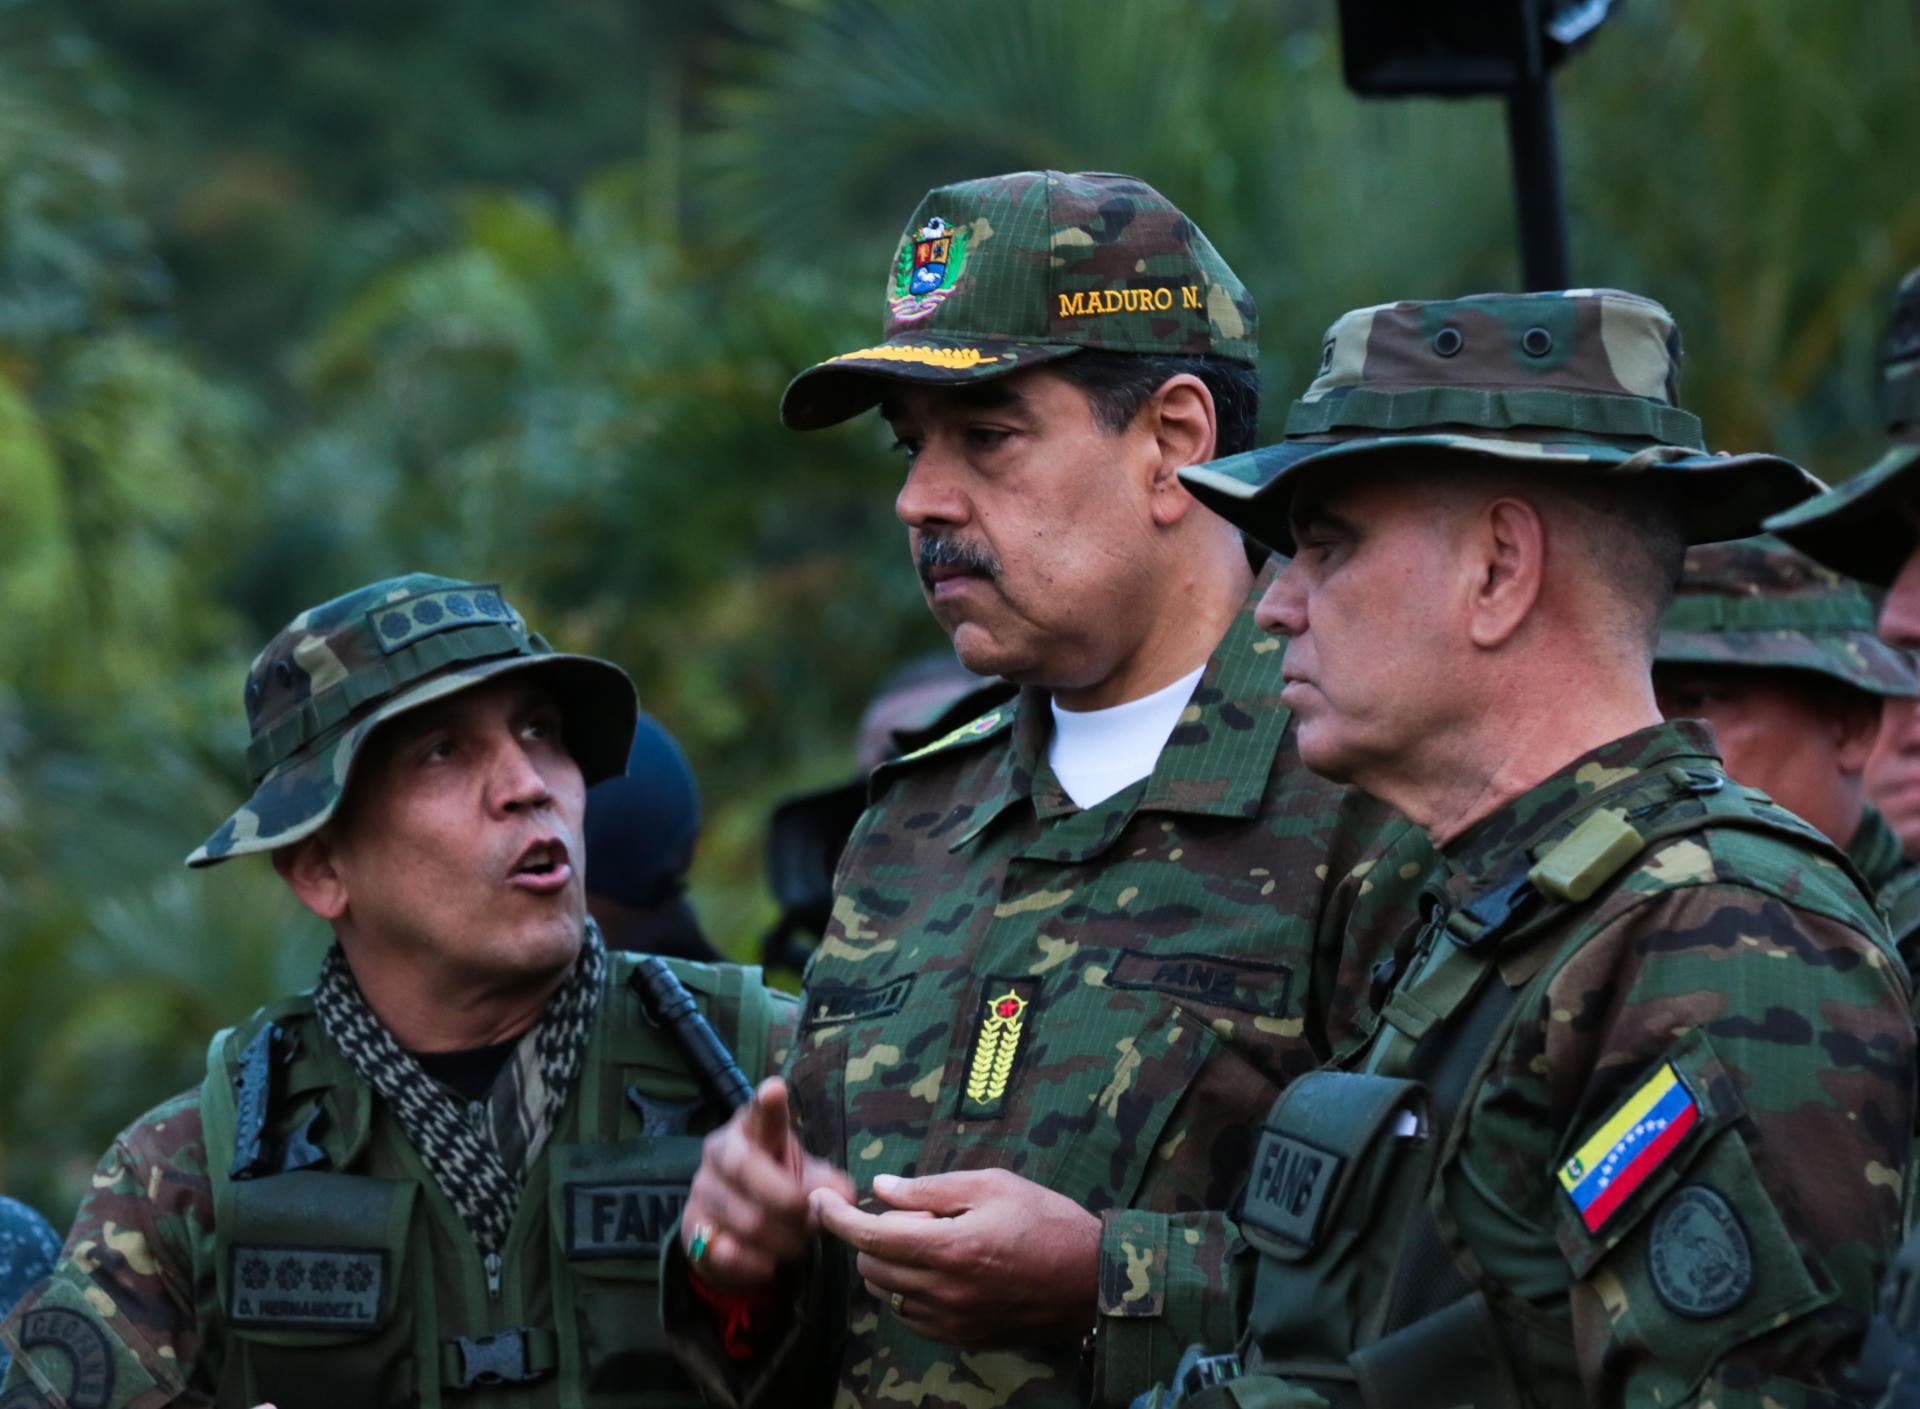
1097	752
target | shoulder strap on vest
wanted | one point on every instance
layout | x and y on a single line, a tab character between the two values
1566	874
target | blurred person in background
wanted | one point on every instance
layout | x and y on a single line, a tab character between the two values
28	1246
450	1164
914	705
1779	655
1869	528
1078	942
641	830
1893	771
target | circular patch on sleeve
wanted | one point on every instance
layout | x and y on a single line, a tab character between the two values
1698	1254
85	1345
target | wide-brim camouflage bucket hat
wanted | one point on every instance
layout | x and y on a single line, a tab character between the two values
1757	604
1865	527
1007	272
341	670
1575	383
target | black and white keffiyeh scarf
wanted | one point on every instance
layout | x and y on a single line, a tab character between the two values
481	1170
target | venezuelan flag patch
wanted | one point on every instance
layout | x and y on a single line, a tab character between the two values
1619	1156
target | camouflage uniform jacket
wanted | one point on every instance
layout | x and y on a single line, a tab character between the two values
1877	855
133	1317
1103	1001
1752	970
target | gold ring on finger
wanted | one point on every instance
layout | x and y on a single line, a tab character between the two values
896	1302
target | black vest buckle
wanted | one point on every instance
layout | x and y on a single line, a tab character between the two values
505	1357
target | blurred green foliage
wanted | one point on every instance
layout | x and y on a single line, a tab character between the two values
295	296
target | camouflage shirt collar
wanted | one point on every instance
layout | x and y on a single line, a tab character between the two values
1217	762
1875	850
1615	774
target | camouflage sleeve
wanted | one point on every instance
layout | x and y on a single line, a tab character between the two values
1743	1270
117	1325
783	1021
1166	1282
1375	904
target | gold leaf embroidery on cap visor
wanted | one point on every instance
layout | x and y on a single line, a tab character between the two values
956	359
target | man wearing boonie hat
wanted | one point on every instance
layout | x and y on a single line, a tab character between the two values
1078	942
1631	1123
451	1163
1866	528
1778	654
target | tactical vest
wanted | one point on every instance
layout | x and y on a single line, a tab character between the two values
1360	1294
346	1277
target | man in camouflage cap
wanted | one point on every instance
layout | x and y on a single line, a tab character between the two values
1778	654
452	1162
1078	942
1630	1125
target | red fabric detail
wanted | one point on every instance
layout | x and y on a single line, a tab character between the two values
734	1315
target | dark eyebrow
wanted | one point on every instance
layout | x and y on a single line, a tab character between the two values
969	396
1308	515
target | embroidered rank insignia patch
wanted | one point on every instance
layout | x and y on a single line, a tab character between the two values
996	1047
928	268
985	724
319	1289
1618	1157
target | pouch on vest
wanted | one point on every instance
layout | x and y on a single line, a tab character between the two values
1342	1159
1697	1256
612	1208
309	1275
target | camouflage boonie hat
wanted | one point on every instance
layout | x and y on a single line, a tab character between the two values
1757	604
341	669
1577	382
1862	527
1012	271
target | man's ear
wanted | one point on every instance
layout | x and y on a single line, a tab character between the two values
1856	726
1181	418
311	869
1505	555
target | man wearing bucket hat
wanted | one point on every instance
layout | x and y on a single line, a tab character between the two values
1631	1124
1078	942
1866	529
451	1163
1778	654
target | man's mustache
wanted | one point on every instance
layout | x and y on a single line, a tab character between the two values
954	552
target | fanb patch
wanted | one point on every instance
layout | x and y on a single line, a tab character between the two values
1287	1187
1698	1254
627	1219
1251	987
305	1288
834	1003
929	266
1618	1157
998	1041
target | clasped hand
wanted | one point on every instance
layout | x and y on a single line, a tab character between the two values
978	1257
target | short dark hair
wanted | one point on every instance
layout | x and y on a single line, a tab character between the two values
1639	536
1118	384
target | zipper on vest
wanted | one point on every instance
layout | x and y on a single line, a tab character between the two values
493	1276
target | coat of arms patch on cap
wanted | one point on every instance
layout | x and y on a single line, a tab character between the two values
929	266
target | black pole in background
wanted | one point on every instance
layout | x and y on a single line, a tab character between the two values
1538	201
1492	48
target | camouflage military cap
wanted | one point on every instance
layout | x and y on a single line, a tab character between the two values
1757	604
1864	527
341	669
1012	271
1579	382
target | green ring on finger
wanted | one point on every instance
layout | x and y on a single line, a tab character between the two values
701	1240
